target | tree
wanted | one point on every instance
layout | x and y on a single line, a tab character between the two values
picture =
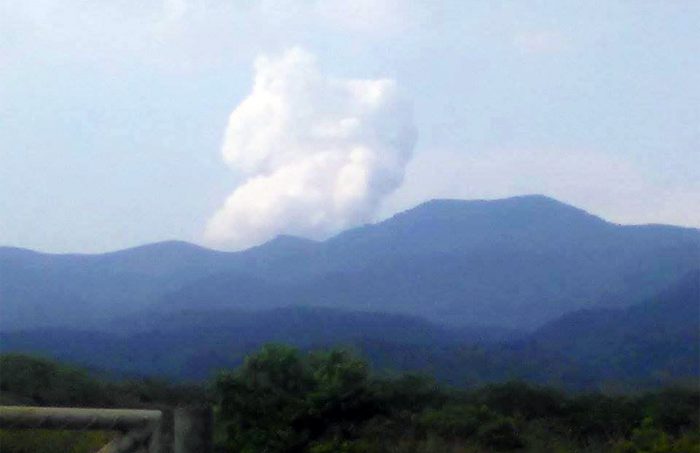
283	401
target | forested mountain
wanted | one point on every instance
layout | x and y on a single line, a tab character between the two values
193	344
655	342
659	337
652	343
514	263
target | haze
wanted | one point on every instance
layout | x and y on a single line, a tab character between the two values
113	116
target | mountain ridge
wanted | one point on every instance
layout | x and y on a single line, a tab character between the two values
647	344
429	204
515	262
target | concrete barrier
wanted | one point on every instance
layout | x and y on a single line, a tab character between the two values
180	430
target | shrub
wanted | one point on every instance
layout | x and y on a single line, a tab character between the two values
500	434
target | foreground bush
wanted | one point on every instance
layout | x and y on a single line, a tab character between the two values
284	401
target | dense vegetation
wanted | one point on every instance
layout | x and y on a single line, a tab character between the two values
285	400
37	381
34	381
281	400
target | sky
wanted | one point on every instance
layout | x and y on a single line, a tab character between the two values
225	123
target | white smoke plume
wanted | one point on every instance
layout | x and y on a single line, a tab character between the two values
318	153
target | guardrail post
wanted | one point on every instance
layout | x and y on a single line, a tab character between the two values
163	436
193	430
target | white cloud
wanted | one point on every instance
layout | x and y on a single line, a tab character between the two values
318	153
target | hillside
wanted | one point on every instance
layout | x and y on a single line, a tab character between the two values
653	343
659	337
516	263
193	344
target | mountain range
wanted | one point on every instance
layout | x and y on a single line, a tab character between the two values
514	263
653	343
471	291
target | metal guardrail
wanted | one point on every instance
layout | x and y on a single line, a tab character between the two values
182	430
26	417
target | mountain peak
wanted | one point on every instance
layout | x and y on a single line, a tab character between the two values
529	211
537	202
532	222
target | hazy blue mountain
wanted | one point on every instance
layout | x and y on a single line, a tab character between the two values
656	342
660	337
50	290
653	343
193	344
515	263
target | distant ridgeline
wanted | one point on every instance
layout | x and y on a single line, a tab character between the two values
471	291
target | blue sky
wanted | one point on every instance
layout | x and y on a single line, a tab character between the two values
113	115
